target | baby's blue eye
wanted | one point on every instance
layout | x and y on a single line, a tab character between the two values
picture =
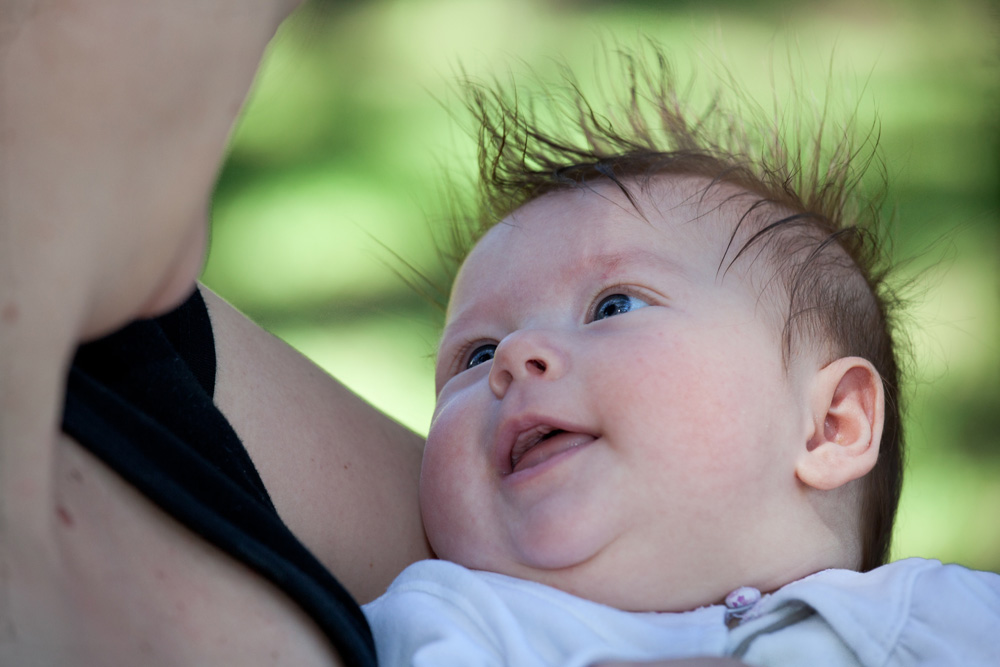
481	355
617	304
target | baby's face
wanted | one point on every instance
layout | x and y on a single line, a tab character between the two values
613	416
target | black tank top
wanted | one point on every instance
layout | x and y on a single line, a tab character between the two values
141	401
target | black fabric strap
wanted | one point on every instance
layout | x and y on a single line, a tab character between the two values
141	401
169	386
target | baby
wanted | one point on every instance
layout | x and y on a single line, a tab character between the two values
668	418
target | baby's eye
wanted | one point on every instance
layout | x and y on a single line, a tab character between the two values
616	304
481	355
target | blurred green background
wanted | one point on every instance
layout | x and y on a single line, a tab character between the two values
348	132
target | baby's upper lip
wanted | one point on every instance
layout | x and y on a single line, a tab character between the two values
519	434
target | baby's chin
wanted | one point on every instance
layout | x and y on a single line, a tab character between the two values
633	570
601	579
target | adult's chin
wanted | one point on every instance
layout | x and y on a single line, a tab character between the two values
150	293
168	298
181	278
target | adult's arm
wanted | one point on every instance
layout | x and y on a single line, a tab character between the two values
342	475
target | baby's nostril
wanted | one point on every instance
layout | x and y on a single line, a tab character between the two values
536	364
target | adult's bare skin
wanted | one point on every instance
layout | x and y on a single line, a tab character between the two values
349	491
113	119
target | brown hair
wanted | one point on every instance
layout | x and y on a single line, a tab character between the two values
808	216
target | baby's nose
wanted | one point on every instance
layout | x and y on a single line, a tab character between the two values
528	354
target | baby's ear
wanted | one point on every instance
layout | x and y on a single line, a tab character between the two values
848	407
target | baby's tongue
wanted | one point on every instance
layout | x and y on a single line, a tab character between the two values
549	447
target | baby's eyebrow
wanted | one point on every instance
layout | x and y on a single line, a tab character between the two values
453	331
612	262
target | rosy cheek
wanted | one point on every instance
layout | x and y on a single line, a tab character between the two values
441	494
445	461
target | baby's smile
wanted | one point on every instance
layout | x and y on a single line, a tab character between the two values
541	444
528	440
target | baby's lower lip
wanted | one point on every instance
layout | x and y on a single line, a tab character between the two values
550	447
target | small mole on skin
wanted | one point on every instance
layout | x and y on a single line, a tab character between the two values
64	516
346	466
10	313
76	475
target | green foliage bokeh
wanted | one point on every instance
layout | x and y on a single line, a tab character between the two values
338	161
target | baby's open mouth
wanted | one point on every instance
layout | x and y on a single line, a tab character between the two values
542	443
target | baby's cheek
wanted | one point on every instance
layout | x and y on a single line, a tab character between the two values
444	488
458	482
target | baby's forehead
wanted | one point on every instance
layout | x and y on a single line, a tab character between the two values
688	210
675	220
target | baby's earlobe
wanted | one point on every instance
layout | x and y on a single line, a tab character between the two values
848	406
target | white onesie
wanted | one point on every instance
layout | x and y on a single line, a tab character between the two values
912	612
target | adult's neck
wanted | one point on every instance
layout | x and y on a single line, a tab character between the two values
39	322
37	339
